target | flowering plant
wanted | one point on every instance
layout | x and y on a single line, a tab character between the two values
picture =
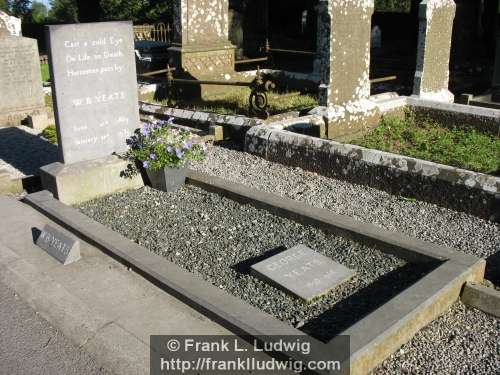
157	144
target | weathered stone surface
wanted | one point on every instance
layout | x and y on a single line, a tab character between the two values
94	87
201	22
87	180
21	91
434	44
64	248
302	272
344	56
9	25
201	46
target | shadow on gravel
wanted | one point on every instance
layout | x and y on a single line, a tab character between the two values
493	268
355	307
24	151
244	267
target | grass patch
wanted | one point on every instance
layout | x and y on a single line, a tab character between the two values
48	101
235	102
50	134
428	140
45	72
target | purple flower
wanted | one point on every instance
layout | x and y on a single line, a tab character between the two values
187	145
152	156
145	164
179	153
169	149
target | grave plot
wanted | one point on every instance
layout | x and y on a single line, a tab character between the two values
224	242
401	284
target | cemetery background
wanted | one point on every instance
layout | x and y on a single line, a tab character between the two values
461	231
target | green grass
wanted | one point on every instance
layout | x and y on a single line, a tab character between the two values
50	134
467	149
48	101
235	102
45	72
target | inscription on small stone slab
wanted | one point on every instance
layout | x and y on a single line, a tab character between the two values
95	88
302	272
61	246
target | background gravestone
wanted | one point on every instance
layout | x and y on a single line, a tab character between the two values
9	24
344	36
434	45
21	92
94	87
201	46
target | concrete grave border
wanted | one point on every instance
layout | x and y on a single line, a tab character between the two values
373	338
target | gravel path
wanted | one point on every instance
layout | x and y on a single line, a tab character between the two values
23	151
219	239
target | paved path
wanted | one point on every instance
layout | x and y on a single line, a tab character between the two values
23	151
101	306
29	345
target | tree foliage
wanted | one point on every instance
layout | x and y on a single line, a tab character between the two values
20	8
37	14
63	11
4	5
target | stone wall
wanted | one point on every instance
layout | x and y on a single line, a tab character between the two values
458	189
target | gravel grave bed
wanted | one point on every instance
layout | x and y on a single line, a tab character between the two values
462	341
219	239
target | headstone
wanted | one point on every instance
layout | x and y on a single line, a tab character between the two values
302	272
344	66
9	25
201	46
94	88
64	248
434	44
21	91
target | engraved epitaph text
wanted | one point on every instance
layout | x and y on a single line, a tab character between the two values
94	80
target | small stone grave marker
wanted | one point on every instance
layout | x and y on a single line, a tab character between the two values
302	272
59	245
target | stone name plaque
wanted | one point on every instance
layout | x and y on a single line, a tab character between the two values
59	245
95	88
302	272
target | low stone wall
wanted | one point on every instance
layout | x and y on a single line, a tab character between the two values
462	116
458	189
234	126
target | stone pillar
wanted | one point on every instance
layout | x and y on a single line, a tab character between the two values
433	56
201	46
344	35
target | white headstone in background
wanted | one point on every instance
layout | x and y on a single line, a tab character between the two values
12	24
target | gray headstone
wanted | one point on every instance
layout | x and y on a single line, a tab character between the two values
302	272
21	91
94	87
64	248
